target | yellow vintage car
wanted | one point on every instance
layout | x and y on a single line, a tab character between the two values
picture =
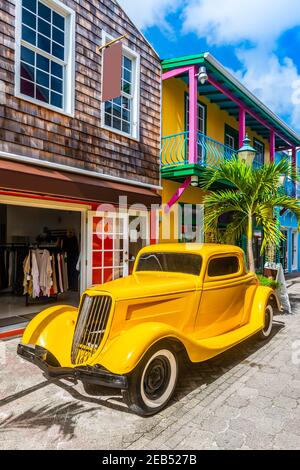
191	299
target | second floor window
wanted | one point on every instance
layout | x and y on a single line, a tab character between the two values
45	42
260	153
122	113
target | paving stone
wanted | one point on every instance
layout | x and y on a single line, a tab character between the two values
248	398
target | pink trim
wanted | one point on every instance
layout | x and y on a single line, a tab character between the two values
242	126
242	105
272	146
173	73
193	115
177	195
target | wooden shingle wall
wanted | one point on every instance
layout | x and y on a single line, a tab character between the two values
34	131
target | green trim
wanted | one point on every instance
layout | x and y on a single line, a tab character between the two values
182	61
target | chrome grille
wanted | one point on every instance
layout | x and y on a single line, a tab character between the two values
90	327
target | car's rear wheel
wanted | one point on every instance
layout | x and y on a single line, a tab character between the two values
152	383
268	323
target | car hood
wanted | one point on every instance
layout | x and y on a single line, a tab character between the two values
147	284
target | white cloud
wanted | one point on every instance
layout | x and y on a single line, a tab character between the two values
259	23
229	22
274	83
147	13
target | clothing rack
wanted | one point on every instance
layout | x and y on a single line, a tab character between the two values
53	249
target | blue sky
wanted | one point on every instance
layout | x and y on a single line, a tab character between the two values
257	40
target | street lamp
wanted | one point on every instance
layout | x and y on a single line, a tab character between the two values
247	153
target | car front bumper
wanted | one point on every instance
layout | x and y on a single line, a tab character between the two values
92	374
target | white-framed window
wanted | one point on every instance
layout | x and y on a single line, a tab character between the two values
45	48
122	114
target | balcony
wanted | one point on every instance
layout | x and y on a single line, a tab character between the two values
174	154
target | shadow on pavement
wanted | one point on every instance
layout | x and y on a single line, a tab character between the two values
192	376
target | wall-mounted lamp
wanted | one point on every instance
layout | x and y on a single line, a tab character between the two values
195	180
202	75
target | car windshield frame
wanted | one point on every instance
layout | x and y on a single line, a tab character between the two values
159	258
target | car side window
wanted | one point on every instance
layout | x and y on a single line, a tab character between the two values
224	266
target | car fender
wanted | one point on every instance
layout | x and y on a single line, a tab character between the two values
53	329
261	298
122	354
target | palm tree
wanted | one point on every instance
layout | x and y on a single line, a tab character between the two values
251	198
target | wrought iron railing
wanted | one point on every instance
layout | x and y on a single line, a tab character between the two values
211	152
175	148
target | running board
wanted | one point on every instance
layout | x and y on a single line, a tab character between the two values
210	347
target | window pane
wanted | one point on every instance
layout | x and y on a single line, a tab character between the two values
44	43
27	88
27	72
58	51
56	69
117	123
117	101
125	115
108	119
108	106
30	4
117	111
27	55
127	75
126	127
170	262
127	63
56	100
58	36
28	18
28	35
42	94
58	21
42	78
126	87
44	12
44	28
42	62
223	266
125	103
56	85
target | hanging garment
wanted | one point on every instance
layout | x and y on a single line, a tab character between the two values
45	271
54	277
35	275
60	276
27	274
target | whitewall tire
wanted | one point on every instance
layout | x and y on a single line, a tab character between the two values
153	382
268	323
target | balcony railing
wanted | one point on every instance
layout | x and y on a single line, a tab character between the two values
209	151
174	149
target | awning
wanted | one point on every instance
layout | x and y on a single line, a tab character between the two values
46	182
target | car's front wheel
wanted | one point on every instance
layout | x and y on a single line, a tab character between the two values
152	383
268	323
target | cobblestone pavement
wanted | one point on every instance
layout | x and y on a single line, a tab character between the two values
248	398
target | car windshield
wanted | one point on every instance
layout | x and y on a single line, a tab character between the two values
186	263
